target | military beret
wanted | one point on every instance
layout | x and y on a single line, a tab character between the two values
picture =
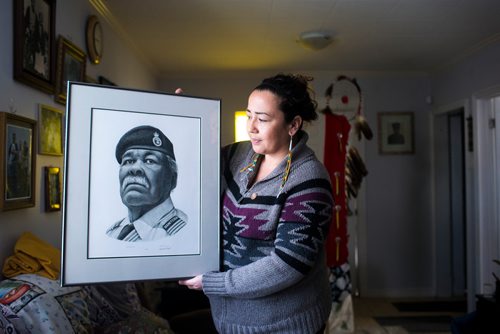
144	137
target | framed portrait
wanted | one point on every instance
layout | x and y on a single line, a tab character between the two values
396	132
140	185
52	178
34	44
50	130
71	63
17	155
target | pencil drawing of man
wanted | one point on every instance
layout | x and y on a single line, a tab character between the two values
148	174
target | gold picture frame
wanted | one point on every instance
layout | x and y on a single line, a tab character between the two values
71	65
52	188
50	130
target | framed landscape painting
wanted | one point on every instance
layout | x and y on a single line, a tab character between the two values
50	130
152	212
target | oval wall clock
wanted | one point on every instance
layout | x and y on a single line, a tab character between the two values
94	39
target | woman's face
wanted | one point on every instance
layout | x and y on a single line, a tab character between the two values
266	126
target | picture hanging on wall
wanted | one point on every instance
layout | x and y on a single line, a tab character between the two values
105	81
50	130
141	185
34	43
52	176
396	133
71	63
17	155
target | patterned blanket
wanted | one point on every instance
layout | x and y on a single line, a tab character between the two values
31	303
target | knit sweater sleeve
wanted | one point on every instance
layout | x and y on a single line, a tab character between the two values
301	231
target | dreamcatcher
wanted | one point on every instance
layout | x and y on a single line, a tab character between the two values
344	95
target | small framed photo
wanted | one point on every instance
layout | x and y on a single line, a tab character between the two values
34	43
17	155
52	188
106	81
50	130
141	185
71	63
90	79
396	132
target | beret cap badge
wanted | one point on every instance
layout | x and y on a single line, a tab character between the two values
156	139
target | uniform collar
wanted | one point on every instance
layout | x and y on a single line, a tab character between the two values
150	219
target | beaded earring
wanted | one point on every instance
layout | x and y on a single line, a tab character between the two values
288	165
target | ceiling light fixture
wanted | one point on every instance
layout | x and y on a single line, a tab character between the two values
315	40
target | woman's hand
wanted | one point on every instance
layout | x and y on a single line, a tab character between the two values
179	91
194	283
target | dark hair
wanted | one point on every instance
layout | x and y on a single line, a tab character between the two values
294	93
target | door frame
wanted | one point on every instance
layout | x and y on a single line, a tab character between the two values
464	104
485	105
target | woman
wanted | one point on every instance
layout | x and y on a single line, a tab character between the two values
276	210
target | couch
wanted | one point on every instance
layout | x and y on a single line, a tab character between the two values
31	303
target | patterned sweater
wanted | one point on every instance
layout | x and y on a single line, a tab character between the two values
274	277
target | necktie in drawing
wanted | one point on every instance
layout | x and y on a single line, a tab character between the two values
125	231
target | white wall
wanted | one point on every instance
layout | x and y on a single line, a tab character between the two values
118	65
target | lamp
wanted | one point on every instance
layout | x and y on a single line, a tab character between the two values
240	126
315	40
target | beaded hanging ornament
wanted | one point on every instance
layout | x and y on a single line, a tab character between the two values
287	168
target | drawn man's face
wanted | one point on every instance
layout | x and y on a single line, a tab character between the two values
145	178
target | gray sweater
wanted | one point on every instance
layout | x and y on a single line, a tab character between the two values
274	277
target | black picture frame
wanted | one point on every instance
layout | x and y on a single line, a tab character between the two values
18	161
34	43
105	81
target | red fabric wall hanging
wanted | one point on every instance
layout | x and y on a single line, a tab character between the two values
337	129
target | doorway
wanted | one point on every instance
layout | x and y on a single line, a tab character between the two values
450	203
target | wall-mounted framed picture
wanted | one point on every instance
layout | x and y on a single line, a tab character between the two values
141	185
34	43
90	79
52	178
17	161
71	64
105	81
50	130
396	132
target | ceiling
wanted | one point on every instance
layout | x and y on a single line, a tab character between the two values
368	35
